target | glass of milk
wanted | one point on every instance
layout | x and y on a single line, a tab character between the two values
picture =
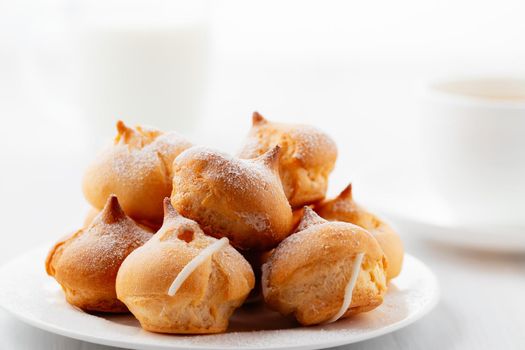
144	62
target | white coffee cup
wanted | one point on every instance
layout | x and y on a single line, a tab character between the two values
473	148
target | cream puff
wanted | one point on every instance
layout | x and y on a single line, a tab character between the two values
136	168
325	271
85	264
307	158
240	199
344	208
183	281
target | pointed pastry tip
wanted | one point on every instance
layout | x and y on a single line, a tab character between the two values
124	132
257	119
137	136
121	127
112	210
346	193
271	157
176	226
112	200
309	219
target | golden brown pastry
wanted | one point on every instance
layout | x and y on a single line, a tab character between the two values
136	168
307	158
325	271
235	198
183	281
344	208
86	263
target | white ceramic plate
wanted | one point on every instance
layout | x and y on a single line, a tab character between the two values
35	298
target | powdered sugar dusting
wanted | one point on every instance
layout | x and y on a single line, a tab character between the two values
312	145
140	153
168	146
103	246
302	142
135	166
245	193
241	174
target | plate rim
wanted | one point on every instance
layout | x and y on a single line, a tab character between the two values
55	329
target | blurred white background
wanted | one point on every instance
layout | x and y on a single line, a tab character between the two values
354	69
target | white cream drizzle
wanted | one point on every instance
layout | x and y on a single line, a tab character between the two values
195	263
349	289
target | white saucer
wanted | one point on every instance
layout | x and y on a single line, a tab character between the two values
413	206
497	239
35	298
